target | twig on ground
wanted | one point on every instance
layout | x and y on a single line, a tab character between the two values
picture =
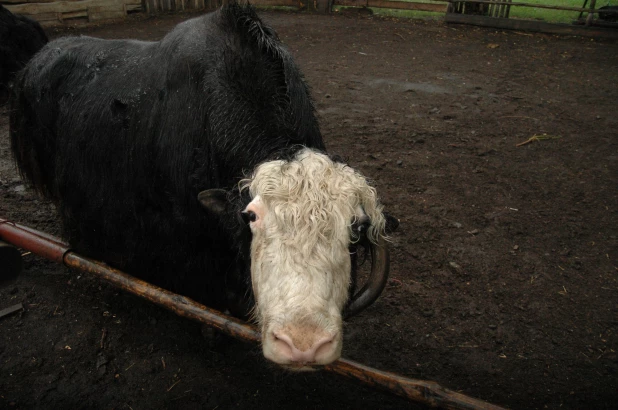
538	138
10	310
172	386
103	336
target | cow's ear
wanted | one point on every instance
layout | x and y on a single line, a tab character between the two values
213	200
392	223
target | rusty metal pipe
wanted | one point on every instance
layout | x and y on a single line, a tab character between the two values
424	392
27	239
43	235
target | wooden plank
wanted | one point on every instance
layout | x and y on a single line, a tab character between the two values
106	15
105	8
4	2
55	23
531	25
62	6
134	7
74	15
49	14
49	17
597	23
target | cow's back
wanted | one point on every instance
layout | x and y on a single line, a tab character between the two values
124	134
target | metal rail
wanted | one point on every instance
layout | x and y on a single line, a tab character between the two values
423	392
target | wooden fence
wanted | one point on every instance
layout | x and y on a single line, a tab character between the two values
157	6
74	12
492	13
52	13
495	13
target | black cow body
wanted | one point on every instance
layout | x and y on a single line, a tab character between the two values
20	39
124	134
609	13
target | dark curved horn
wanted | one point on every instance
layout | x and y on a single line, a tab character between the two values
375	284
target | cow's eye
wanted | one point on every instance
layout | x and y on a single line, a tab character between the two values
362	228
248	216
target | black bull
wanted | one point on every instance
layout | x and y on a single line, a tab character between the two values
124	134
20	39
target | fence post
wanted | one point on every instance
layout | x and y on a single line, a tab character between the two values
590	16
324	6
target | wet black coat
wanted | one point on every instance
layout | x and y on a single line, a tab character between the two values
609	13
124	134
20	39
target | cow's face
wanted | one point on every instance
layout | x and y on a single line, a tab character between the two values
303	216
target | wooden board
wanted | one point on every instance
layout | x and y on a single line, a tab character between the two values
134	7
59	12
74	15
32	9
98	15
29	1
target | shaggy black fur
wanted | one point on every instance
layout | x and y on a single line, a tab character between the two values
124	134
609	13
20	39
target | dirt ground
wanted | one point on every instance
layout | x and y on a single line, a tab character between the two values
504	270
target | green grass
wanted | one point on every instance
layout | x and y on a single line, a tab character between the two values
554	16
530	13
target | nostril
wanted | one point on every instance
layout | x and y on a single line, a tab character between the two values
324	347
283	345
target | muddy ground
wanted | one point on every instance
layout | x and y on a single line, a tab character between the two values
504	270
